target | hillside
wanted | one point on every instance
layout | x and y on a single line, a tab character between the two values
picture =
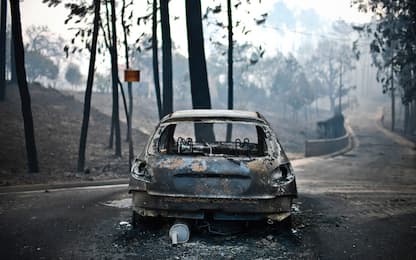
57	120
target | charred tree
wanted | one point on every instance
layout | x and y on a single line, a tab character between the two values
123	97
129	86
127	63
107	40
3	21
107	35
156	59
393	106
111	138
167	58
23	89
230	67
88	91
114	73
197	67
406	118
13	73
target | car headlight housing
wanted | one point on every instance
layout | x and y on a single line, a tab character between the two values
140	172
281	175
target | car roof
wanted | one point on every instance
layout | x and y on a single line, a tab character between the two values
198	114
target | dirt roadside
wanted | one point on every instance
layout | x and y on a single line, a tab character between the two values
57	121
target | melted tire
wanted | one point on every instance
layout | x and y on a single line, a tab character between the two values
134	219
286	224
139	221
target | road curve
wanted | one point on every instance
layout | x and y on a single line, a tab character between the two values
369	193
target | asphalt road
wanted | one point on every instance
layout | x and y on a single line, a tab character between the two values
363	203
360	205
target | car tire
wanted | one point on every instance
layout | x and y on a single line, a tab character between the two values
141	221
286	224
134	219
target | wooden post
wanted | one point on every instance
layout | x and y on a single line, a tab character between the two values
131	76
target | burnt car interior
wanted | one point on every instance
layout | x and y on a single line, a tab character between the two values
209	139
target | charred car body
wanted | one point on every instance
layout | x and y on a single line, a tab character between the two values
191	169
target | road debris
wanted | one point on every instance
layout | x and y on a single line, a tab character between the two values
121	204
179	233
125	224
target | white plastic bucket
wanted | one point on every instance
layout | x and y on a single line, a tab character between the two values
179	233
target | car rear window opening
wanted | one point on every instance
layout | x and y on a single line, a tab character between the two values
201	138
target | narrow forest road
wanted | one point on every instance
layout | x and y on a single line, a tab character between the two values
363	203
359	205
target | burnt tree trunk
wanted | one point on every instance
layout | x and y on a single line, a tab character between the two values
123	97
156	60
114	73
13	73
126	55
129	127
393	105
32	157
129	87
167	58
128	118
406	118
88	91
3	21
230	67
197	67
107	41
111	138
413	117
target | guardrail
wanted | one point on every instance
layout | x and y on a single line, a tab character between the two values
318	147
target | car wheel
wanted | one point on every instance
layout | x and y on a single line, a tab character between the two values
134	219
142	222
286	224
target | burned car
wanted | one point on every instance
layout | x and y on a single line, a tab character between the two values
216	164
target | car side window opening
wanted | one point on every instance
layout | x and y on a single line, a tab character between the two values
202	138
166	139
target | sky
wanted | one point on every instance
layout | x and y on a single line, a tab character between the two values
34	12
290	23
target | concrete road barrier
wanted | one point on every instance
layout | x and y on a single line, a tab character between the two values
318	147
